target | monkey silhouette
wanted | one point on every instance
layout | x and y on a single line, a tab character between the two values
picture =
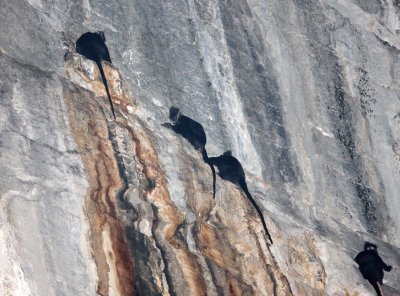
372	266
231	170
93	47
192	131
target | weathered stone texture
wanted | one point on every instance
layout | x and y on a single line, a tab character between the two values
305	94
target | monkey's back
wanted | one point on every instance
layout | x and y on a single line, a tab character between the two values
92	46
192	131
370	265
230	168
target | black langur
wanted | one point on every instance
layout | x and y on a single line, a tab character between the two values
372	266
93	47
192	131
231	170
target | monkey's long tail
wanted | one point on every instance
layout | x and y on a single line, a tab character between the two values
253	202
103	76
376	287
207	160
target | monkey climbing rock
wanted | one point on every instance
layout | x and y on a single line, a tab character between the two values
192	131
231	170
92	46
372	266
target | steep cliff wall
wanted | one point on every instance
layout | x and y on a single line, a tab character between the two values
305	94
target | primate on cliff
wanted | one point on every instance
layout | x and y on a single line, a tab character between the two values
371	266
192	131
231	170
92	46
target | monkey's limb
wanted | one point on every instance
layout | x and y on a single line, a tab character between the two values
384	265
387	268
207	160
103	76
166	124
376	287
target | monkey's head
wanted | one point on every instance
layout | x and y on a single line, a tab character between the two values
228	153
370	246
174	114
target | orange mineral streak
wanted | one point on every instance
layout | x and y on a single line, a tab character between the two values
168	216
212	247
90	130
110	249
305	262
85	73
120	95
234	288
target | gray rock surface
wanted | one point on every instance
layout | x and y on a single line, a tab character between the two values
305	94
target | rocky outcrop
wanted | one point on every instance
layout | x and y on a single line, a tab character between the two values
304	94
129	208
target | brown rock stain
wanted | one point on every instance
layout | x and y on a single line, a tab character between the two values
89	128
226	236
305	263
212	246
234	288
168	216
79	70
120	94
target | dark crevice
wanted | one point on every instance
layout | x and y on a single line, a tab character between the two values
163	253
345	133
36	71
123	204
129	232
44	145
369	208
141	249
344	130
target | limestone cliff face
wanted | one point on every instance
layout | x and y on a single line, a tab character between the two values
305	94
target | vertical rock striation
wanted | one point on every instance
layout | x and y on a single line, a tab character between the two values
305	94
